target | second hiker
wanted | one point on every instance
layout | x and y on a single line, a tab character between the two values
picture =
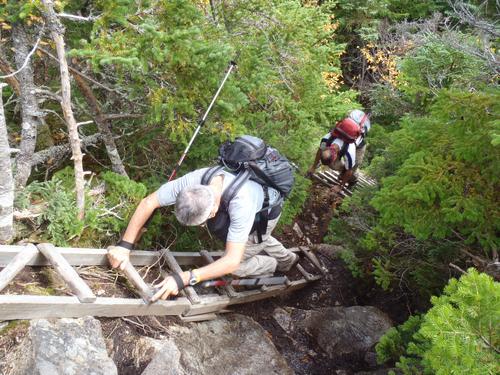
343	148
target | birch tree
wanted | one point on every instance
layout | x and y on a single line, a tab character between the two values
6	182
32	116
56	30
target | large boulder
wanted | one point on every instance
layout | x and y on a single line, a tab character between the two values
233	344
346	332
63	347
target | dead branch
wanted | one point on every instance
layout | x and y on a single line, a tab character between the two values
57	31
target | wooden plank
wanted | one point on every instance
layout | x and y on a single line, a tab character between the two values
198	318
174	266
68	274
17	264
209	304
228	288
144	290
327	183
97	257
312	258
38	307
271	291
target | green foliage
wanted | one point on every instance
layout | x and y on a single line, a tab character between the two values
106	214
395	341
447	175
438	65
458	335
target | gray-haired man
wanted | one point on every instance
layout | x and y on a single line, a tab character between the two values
194	205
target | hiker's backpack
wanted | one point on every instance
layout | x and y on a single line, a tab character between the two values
249	157
362	118
347	129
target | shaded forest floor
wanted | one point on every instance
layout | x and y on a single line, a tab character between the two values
337	288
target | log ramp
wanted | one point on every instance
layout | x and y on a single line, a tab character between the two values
330	178
189	306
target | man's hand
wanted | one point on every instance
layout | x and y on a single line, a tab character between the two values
118	257
167	288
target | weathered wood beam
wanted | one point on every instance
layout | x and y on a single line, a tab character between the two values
37	307
174	266
215	304
17	264
97	257
144	290
68	274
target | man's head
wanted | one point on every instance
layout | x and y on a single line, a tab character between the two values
194	205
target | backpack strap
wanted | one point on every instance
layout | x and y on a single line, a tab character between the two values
210	173
262	216
233	188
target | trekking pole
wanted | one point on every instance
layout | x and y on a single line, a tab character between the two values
201	122
262	281
232	64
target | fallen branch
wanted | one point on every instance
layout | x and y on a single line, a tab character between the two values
56	154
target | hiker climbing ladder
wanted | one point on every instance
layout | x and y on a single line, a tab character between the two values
84	302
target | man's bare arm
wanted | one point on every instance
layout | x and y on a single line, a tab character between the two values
119	256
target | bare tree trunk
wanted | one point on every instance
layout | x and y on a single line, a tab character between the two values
6	183
102	124
57	32
31	115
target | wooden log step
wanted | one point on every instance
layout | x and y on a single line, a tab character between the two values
313	259
144	290
174	266
17	264
38	307
68	274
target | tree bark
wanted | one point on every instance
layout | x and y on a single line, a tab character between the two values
32	117
103	125
6	182
57	31
57	154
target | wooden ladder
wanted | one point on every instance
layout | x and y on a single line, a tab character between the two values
191	306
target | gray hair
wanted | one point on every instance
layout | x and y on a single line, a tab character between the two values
194	204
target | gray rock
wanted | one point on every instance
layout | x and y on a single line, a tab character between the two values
283	318
64	347
230	345
346	331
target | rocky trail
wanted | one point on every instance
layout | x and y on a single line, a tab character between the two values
330	327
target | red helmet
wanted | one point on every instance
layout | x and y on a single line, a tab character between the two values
347	130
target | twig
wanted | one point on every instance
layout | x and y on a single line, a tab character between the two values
74	17
457	268
27	58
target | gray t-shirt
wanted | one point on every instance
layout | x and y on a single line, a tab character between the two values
242	208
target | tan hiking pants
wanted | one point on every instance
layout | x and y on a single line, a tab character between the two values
258	265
